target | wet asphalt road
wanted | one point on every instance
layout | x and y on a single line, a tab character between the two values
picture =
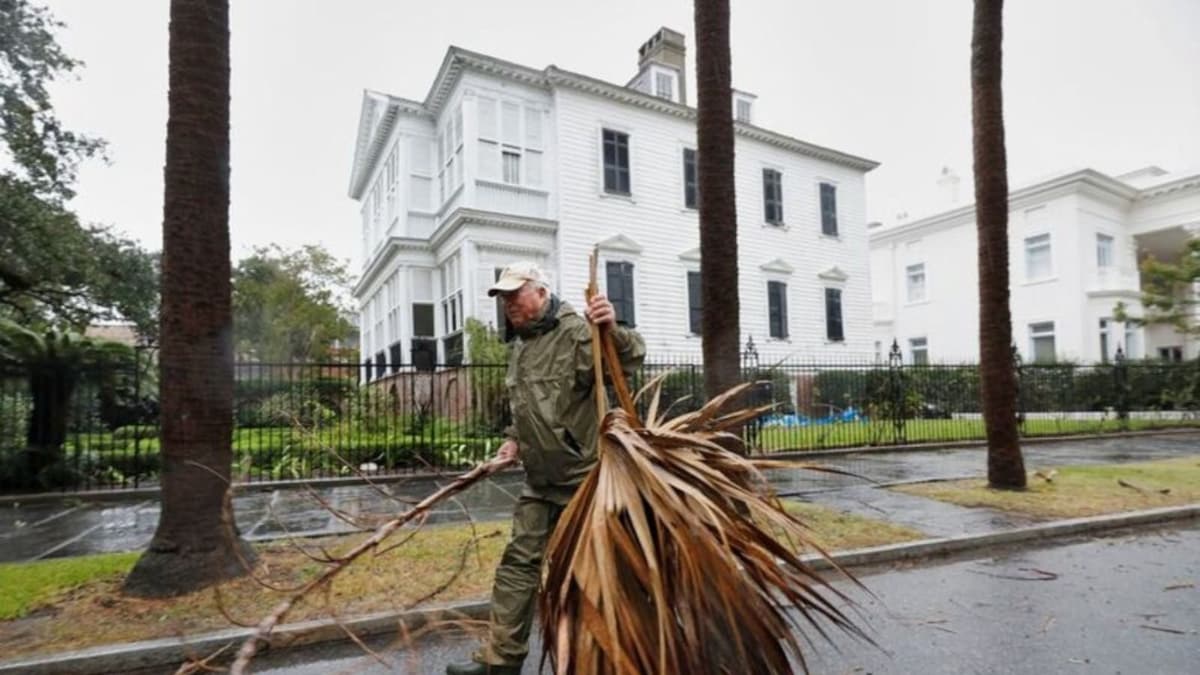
1126	604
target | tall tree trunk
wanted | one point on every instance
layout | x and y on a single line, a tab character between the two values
1006	468
50	387
196	543
718	209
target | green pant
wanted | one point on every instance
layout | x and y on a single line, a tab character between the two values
517	580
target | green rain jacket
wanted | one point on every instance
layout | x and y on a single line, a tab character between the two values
550	384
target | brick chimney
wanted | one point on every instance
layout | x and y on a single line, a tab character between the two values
662	65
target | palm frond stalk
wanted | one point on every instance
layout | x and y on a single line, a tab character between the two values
676	557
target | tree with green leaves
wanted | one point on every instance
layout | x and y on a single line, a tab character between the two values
1169	297
55	364
45	153
290	305
54	270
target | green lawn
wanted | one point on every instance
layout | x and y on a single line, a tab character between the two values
30	585
1076	491
86	607
851	434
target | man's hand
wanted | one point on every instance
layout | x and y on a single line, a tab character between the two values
600	311
507	451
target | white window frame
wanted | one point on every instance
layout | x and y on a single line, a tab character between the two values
492	143
910	272
914	347
782	222
506	153
1035	244
1037	330
683	150
1106	248
787	316
451	303
1133	341
626	258
600	187
659	76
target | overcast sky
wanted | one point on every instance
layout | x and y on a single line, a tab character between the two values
1110	84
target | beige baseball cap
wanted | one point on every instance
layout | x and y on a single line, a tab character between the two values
516	275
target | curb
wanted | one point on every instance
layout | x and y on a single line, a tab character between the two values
171	651
119	494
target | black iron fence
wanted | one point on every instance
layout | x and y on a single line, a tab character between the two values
325	420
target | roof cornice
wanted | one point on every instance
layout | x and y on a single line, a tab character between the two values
461	216
591	85
1092	182
372	139
391	247
458	59
1180	184
370	142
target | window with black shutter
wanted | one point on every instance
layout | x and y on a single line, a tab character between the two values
777	309
367	370
396	356
424	353
422	319
829	210
695	312
690	194
380	364
620	291
773	196
616	162
833	315
452	348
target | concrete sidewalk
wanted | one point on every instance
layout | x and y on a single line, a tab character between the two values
67	527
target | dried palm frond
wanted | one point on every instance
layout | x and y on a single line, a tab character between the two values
674	555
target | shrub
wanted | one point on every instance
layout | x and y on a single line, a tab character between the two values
135	431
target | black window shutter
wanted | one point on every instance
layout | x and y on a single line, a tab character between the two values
690	194
777	309
768	198
828	209
627	280
695	308
833	315
783	314
620	290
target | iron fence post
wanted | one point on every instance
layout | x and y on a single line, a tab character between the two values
1019	368
896	393
1121	387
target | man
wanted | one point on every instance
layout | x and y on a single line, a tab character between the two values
550	387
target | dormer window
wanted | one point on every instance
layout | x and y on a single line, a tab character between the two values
662	81
743	107
664	85
743	111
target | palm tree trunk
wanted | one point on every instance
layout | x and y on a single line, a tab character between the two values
196	543
718	210
1006	468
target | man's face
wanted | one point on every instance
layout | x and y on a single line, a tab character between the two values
523	305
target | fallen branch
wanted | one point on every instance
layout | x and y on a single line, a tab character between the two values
250	646
1163	629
